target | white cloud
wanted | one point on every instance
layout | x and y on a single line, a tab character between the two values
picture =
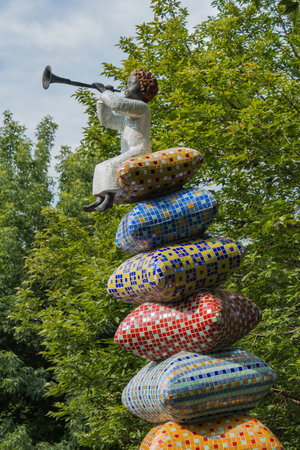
74	37
76	31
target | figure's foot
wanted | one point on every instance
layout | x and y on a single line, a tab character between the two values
101	203
107	202
92	206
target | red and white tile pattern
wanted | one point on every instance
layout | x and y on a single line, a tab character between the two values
201	323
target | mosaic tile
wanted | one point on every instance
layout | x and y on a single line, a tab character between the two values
184	214
151	175
232	432
189	387
202	323
170	273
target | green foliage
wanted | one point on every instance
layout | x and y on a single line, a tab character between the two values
25	189
229	88
65	301
77	320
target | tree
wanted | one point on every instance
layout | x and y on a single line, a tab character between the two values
25	188
228	88
72	310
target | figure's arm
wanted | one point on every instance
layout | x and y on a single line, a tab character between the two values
108	118
123	105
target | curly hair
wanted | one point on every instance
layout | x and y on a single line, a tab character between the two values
148	83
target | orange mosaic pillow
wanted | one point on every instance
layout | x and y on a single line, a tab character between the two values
151	175
233	432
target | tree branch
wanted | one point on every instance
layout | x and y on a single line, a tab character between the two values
287	394
296	54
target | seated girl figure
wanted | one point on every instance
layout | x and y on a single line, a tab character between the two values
131	116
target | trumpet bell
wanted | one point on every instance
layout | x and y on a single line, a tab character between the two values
49	77
46	79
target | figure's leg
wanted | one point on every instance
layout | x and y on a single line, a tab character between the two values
107	202
92	206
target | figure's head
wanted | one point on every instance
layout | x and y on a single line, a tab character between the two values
141	85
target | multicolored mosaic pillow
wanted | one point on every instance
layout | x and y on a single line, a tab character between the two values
201	323
233	432
170	273
184	214
189	387
151	175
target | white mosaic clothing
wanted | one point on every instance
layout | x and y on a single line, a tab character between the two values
132	118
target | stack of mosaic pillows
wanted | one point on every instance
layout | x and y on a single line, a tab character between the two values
196	386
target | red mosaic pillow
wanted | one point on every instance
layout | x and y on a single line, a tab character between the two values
233	432
202	323
154	174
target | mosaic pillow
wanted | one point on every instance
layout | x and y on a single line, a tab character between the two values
233	432
182	215
170	273
156	173
189	387
201	323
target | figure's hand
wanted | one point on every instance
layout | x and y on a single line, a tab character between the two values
99	86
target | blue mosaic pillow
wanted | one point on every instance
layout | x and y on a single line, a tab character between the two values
169	273
188	387
182	215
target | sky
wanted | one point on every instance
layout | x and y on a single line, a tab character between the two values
74	37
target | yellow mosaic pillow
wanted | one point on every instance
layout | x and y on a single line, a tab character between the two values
150	175
169	273
233	432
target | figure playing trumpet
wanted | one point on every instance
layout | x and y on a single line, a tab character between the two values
131	116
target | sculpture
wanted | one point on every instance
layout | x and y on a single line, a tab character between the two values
185	381
131	116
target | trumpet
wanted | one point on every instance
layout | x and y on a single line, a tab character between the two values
49	77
